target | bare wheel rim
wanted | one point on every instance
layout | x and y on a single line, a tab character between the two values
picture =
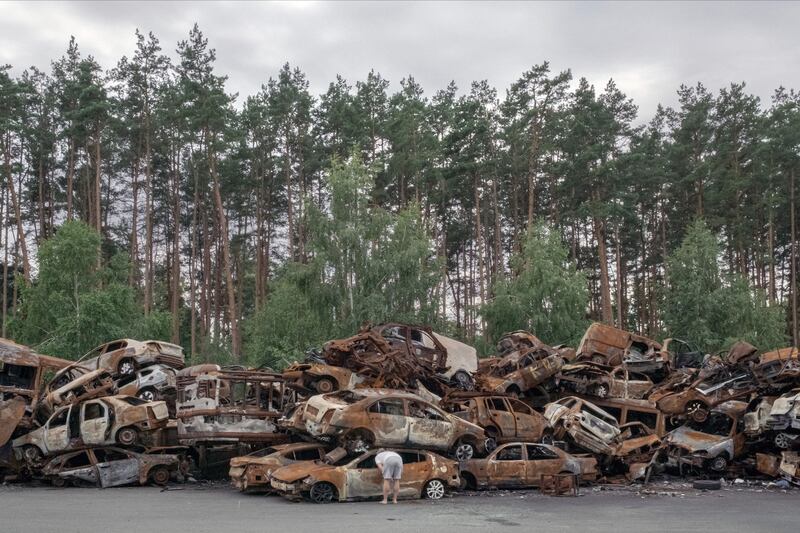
464	452
32	453
322	493
718	464
601	391
782	441
126	436
147	395
126	367
435	489
324	386
160	476
697	411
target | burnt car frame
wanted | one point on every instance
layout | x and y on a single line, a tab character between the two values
250	473
425	475
110	467
150	383
611	346
521	372
696	399
103	421
503	418
603	381
365	418
125	356
522	464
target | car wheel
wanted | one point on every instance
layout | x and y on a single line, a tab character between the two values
148	395
325	385
127	436
434	489
697	411
490	444
159	475
464	451
599	359
58	482
601	390
463	381
323	493
126	367
707	484
718	464
31	453
782	441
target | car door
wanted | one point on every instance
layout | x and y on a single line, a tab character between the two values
388	422
116	467
416	472
429	427
80	467
541	461
501	417
507	467
94	422
56	432
529	424
363	478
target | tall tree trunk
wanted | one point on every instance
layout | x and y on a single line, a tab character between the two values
148	225
135	224
793	269
176	250
605	289
70	176
98	163
23	247
289	200
620	274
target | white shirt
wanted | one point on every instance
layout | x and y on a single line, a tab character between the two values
381	457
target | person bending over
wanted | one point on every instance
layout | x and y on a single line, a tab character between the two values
391	466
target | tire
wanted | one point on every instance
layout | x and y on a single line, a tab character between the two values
463	381
434	490
148	394
490	444
464	451
159	475
323	492
58	482
32	454
126	367
718	463
127	436
707	484
782	441
325	385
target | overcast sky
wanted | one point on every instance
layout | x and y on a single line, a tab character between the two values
648	48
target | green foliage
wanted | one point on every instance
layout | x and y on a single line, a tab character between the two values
713	310
368	265
547	297
73	305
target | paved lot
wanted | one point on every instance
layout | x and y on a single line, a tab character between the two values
218	509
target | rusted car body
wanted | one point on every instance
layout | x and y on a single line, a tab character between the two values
250	473
711	444
504	419
522	464
110	467
425	475
76	384
626	411
321	378
519	373
789	468
777	419
23	374
699	397
610	346
149	384
229	405
597	431
364	418
604	381
124	356
100	422
778	368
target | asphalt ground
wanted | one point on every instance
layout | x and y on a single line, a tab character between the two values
198	508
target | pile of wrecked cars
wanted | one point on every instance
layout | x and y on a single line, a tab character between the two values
620	407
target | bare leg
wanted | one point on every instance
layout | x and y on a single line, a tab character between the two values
385	489
396	490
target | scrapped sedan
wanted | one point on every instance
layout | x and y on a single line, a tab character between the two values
425	475
522	464
110	467
696	400
365	418
125	356
149	384
250	473
122	420
520	373
604	382
503	418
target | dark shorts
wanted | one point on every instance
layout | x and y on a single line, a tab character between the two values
393	468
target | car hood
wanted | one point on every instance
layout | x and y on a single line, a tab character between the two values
693	440
300	470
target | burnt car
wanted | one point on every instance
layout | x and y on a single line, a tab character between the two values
779	368
124	420
75	384
23	374
777	419
322	378
150	383
110	467
710	444
125	356
425	475
611	346
250	473
522	464
696	399
604	381
522	372
366	418
504	419
592	429
215	405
